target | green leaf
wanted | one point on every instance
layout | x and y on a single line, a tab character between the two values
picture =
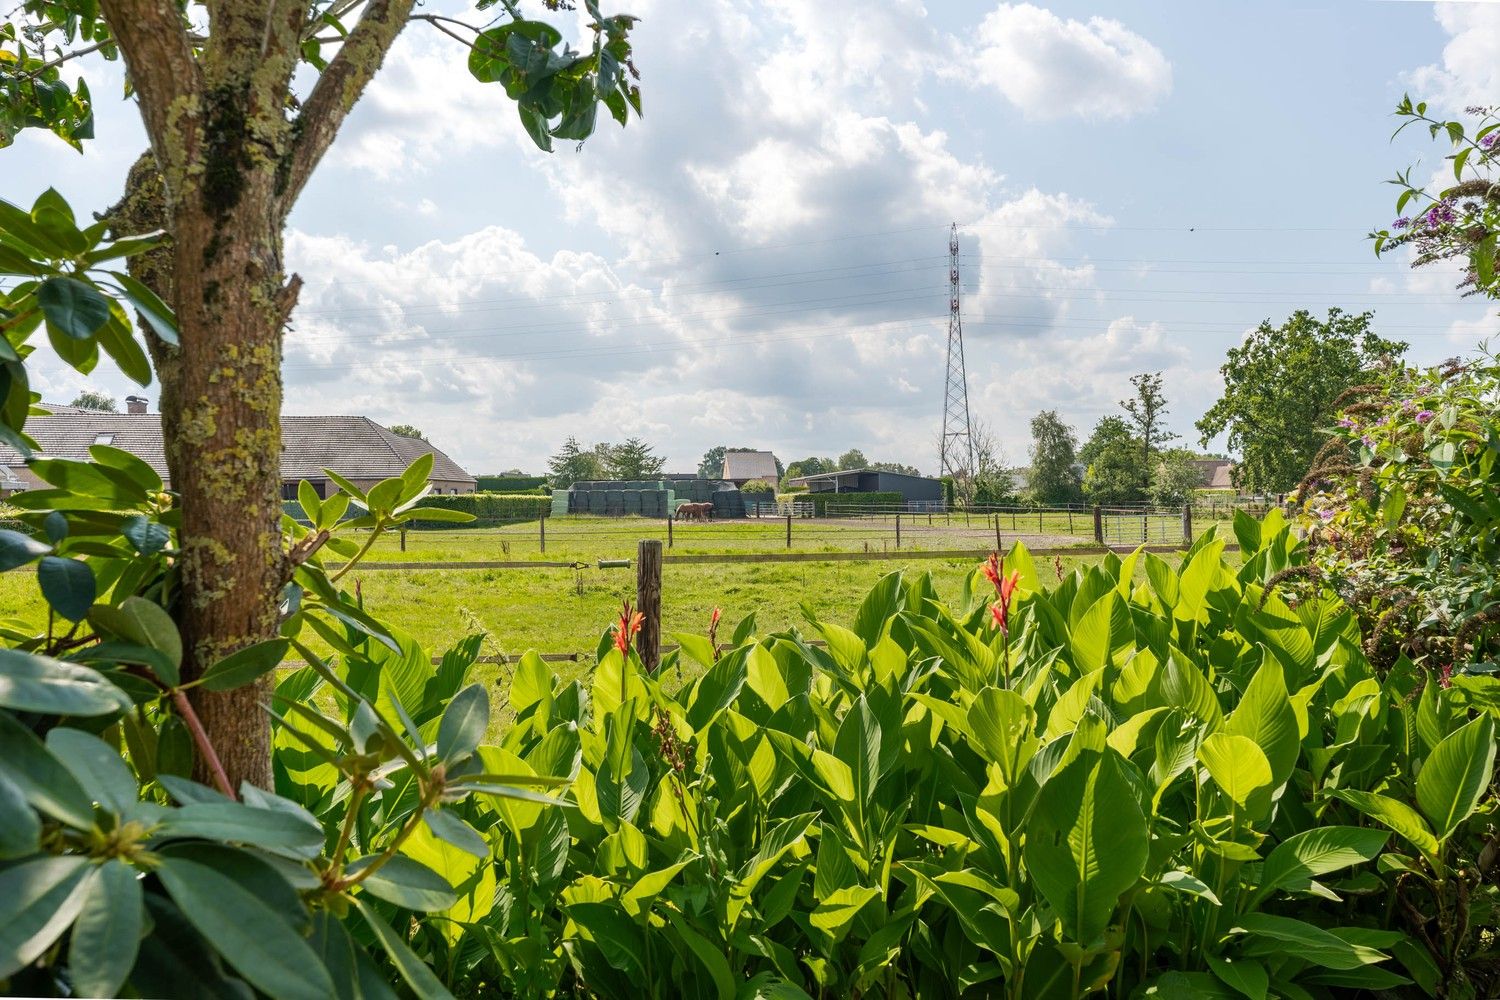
1265	717
233	822
72	307
436	514
711	957
20	829
1284	936
68	585
1189	885
40	776
1455	775
416	973
463	724
33	683
1248	977
1086	842
39	900
107	934
251	936
1003	726
407	883
245	666
1398	816
449	827
156	313
144	623
1295	861
147	536
718	688
1237	765
97	766
17	549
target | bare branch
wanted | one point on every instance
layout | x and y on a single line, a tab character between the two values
349	72
441	23
74	54
159	55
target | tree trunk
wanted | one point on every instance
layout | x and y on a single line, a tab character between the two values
221	405
225	166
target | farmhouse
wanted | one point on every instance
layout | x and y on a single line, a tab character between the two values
741	467
914	489
1215	472
357	448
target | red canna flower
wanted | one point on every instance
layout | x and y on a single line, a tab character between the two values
1005	586
993	567
713	632
626	628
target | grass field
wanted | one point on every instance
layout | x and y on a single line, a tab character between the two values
564	610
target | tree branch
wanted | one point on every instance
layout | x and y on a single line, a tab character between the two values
159	55
74	54
349	72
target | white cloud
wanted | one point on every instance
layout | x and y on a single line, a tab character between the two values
1469	73
1051	68
739	311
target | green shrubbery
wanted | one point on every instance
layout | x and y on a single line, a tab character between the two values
488	508
1402	510
513	484
821	501
1182	787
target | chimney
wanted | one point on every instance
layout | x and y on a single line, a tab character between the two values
135	404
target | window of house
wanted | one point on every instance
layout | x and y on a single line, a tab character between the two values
104	439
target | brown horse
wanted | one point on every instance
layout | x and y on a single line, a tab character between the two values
695	511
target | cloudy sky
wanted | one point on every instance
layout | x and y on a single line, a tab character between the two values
762	260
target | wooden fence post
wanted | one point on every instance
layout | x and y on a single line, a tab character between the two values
789	531
1098	524
541	527
898	531
648	601
669	529
999	545
1039	520
403	538
1187	524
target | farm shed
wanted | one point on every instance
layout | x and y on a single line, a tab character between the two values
914	489
355	447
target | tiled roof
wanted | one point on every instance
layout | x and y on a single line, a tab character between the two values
749	465
1216	472
354	447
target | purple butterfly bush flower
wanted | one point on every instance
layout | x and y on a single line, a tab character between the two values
1425	415
1325	515
1346	423
1401	223
1489	141
1368	441
1440	214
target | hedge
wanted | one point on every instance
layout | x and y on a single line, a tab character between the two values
820	501
514	485
488	508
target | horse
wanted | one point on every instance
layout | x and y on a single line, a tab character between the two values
695	511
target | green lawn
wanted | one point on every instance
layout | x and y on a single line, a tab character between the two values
564	610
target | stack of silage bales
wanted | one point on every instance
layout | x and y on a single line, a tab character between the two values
647	498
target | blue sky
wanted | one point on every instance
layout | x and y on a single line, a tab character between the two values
761	261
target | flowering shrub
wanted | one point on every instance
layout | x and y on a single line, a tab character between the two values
1402	514
1459	221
